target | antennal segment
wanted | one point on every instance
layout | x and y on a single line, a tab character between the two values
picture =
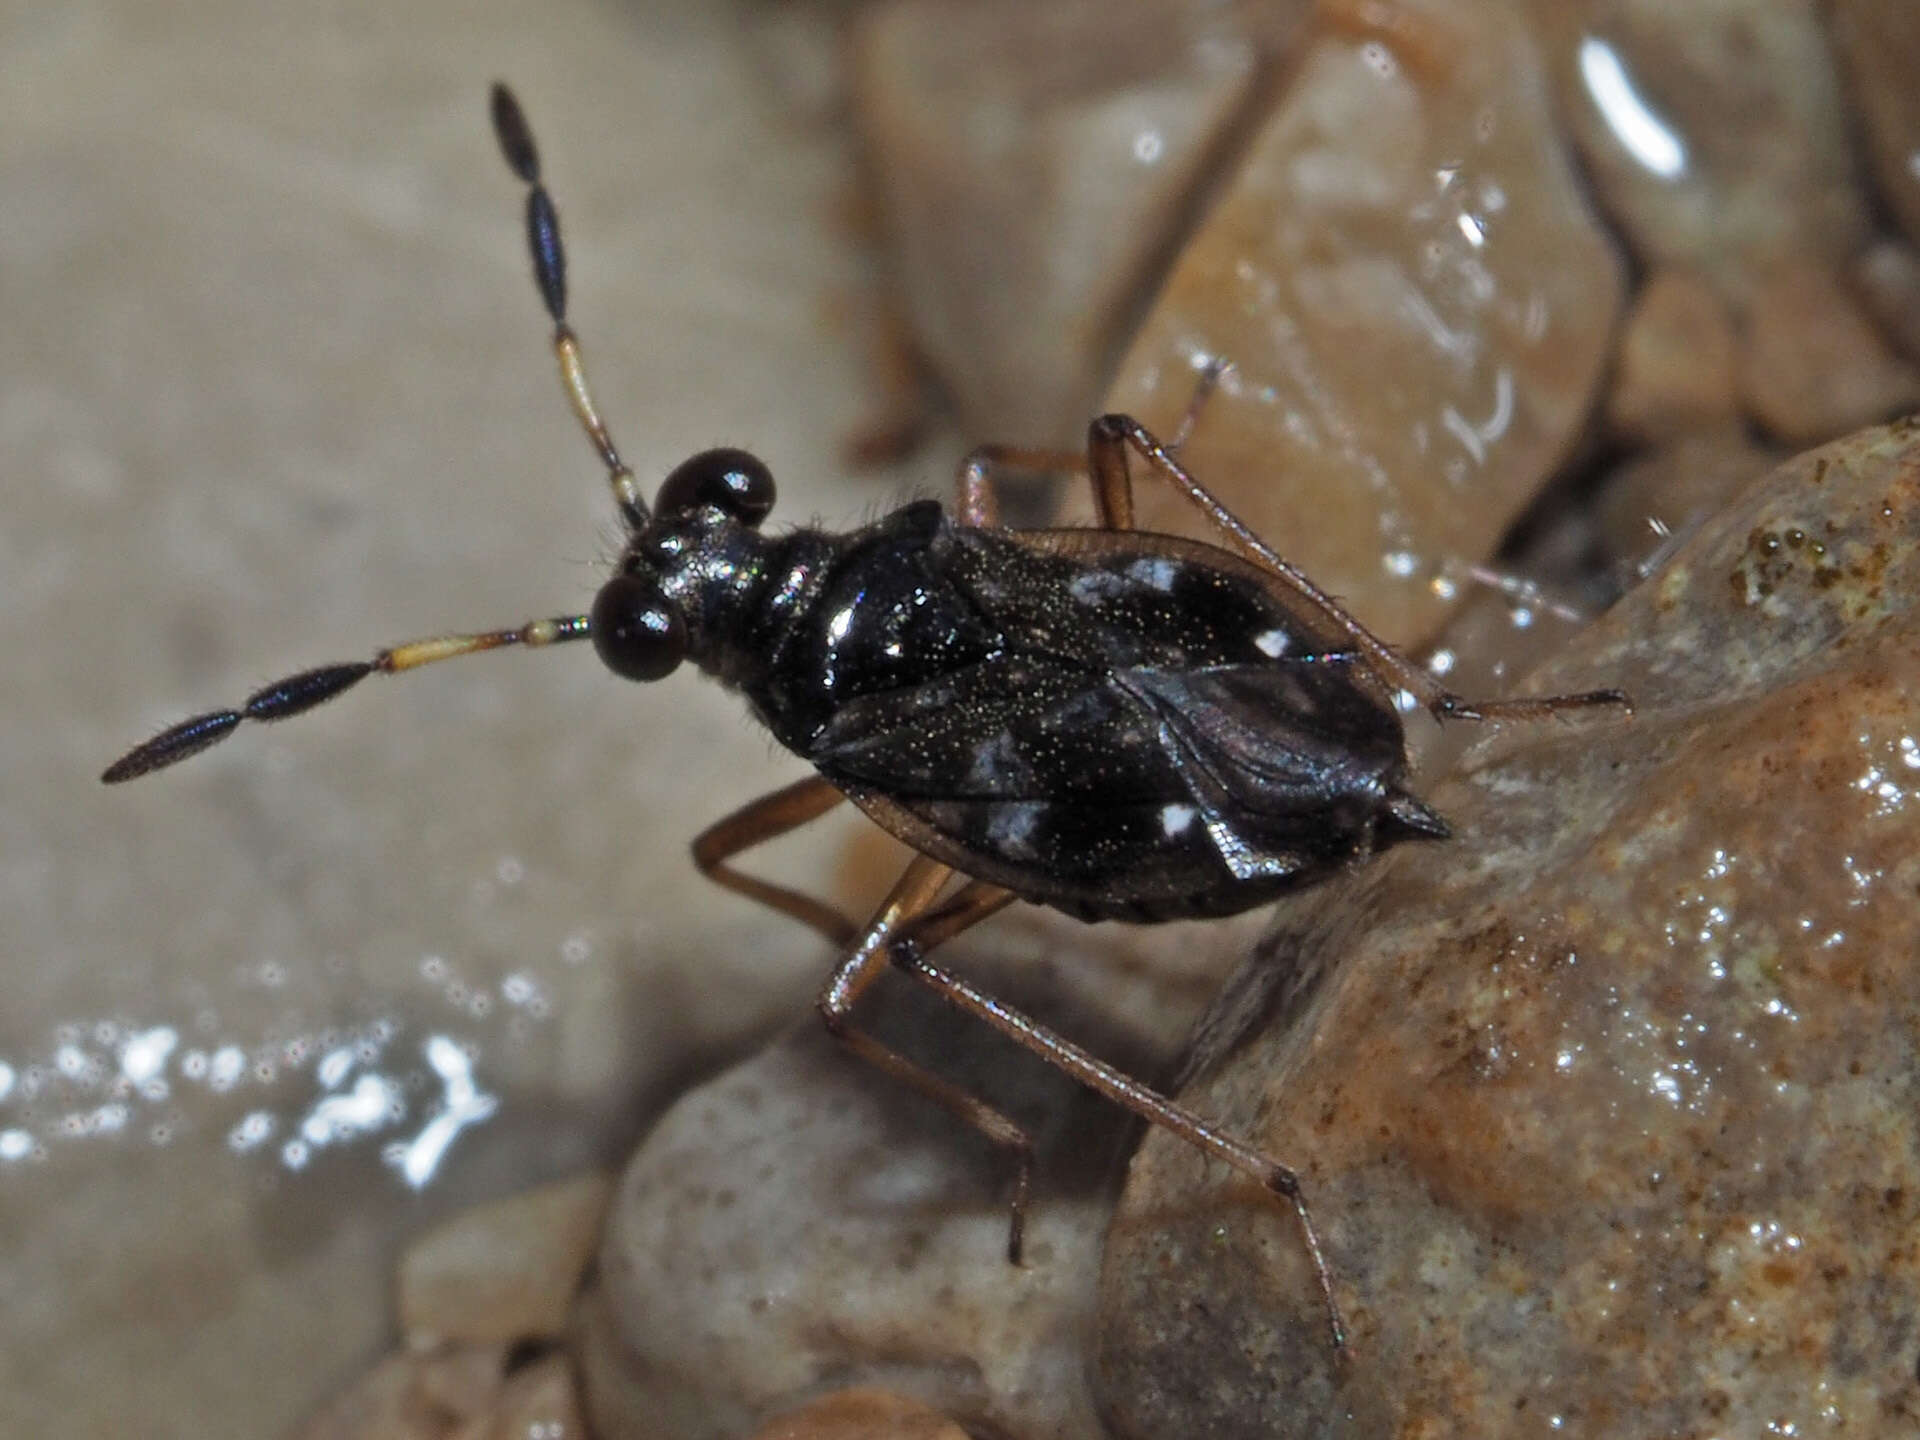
299	693
550	274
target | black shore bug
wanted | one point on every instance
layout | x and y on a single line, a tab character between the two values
1118	724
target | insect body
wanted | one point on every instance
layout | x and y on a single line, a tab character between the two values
1104	722
1121	725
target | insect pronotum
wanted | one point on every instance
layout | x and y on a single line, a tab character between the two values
1118	724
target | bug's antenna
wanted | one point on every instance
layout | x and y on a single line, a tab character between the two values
550	274
298	693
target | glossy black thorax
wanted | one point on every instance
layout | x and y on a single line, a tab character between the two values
1118	724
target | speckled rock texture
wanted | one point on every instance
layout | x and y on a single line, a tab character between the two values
1607	1107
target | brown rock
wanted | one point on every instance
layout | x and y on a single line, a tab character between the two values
1034	166
1648	505
1674	372
538	1402
1876	41
379	1405
1416	302
1887	278
861	1414
1604	1107
1811	366
1714	132
503	1272
802	1215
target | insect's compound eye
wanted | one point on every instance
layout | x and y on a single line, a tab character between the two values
739	483
637	632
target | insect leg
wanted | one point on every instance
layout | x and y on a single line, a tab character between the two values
978	505
1111	438
765	819
550	275
298	693
976	502
1123	1090
912	918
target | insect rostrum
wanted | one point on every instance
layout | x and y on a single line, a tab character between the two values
1118	724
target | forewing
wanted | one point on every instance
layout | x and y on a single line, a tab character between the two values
1013	728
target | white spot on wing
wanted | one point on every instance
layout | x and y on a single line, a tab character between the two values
1090	587
1174	819
1271	642
1012	829
1155	571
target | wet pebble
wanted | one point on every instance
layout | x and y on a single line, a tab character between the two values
1031	166
805	1216
1714	133
1415	297
1603	1106
506	1271
1675	369
863	1413
1813	366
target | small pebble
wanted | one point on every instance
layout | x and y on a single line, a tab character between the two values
503	1272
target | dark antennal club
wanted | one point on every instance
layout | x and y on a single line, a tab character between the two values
299	693
550	274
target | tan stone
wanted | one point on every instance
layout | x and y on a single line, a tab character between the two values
539	1402
863	1413
1416	301
1674	370
1811	365
1714	133
1034	165
506	1271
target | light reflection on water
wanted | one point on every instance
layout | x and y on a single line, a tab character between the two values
287	1096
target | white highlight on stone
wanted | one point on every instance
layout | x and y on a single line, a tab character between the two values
1648	138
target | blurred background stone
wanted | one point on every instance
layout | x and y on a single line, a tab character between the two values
1675	370
1715	133
1874	40
863	1414
1034	167
503	1272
